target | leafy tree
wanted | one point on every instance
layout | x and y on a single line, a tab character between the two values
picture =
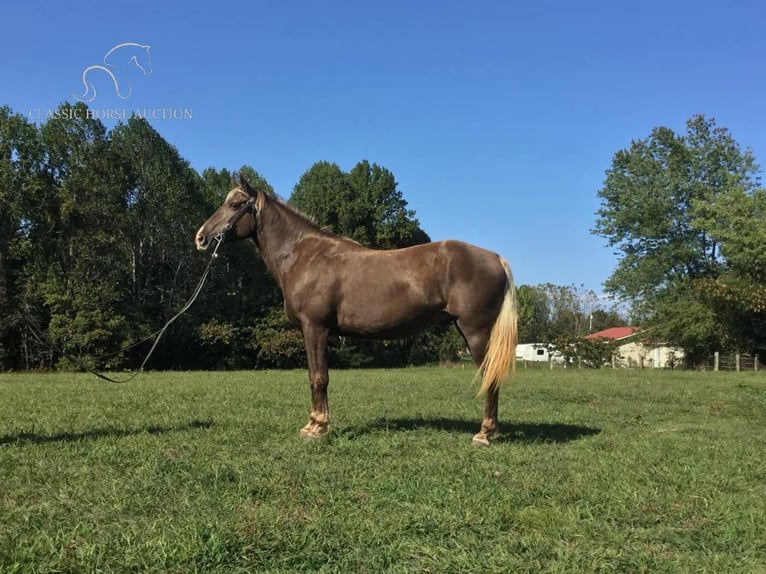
73	223
534	315
227	345
163	205
363	204
658	206
324	193
279	344
163	202
548	311
737	221
569	315
20	160
386	223
584	352
601	319
216	184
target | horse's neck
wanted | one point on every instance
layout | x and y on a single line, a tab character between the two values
280	231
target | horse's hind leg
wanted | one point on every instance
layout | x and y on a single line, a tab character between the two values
489	423
476	337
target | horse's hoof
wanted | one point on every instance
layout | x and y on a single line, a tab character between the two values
480	440
312	433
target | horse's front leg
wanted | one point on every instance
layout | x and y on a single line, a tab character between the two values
315	339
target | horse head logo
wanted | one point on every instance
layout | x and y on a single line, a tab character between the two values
118	63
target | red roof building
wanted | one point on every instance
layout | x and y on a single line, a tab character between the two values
640	353
615	333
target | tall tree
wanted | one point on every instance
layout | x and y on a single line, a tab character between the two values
73	225
653	206
386	222
20	161
364	204
164	204
534	315
548	312
323	192
737	222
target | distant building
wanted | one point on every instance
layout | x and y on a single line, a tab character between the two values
640	353
533	352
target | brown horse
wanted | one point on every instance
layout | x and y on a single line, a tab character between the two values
334	285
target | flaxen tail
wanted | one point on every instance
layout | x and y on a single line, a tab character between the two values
501	348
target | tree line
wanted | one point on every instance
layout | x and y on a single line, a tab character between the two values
96	252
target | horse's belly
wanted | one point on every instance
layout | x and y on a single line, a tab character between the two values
393	302
390	320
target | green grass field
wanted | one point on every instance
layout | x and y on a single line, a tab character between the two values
610	471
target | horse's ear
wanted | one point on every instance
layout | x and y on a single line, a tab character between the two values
245	186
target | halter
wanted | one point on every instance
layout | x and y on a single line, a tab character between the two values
247	206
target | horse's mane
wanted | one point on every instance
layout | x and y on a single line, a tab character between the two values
305	218
309	220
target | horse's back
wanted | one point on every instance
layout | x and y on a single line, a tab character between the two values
447	264
461	277
390	293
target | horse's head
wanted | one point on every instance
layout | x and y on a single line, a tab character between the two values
143	60
235	219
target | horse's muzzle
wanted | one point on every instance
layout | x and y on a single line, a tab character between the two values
201	241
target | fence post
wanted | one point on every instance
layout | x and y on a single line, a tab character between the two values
736	362
755	362
716	360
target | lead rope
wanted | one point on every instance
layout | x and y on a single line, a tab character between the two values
45	340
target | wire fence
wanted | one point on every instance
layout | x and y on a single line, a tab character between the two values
715	362
730	362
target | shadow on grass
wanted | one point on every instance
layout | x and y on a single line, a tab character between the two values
507	432
93	434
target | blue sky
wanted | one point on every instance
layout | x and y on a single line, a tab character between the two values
498	119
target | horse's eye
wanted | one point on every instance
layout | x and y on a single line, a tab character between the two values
235	205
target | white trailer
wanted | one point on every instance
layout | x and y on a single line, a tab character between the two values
533	352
